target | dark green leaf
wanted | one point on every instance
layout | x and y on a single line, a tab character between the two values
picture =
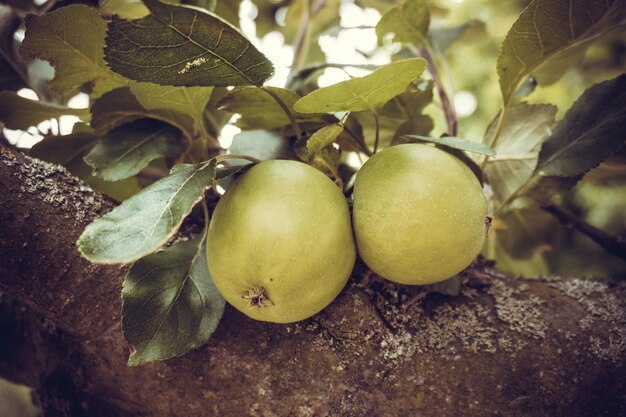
120	106
591	131
205	4
408	22
63	150
9	78
127	149
21	113
185	47
456	143
366	93
71	38
170	304
146	221
548	30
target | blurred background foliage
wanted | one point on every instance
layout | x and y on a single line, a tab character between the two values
467	36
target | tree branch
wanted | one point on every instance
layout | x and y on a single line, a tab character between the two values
615	245
504	346
447	106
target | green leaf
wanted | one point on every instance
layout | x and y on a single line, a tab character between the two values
21	113
261	144
549	30
443	37
527	231
63	150
523	130
71	38
322	139
205	4
366	93
170	304
592	130
320	18
408	22
69	150
259	110
127	149
318	152
190	101
126	9
185	47
120	106
456	143
404	113
229	11
9	78
146	221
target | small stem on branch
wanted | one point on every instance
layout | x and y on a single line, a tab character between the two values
616	245
377	136
448	107
496	135
303	37
286	110
205	211
220	158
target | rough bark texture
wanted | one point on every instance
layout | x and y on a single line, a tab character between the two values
504	347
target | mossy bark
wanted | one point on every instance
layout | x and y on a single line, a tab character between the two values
503	347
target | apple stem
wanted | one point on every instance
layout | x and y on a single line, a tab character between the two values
257	297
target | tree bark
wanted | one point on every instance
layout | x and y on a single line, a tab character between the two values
503	347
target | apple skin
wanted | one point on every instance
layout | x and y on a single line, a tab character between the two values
280	246
418	214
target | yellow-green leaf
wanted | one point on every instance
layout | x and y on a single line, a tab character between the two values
259	110
72	39
366	93
408	23
524	128
190	101
17	112
121	106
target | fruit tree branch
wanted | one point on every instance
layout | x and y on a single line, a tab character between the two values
504	346
613	244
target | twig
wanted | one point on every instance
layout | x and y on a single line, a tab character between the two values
286	110
615	245
302	39
447	106
377	137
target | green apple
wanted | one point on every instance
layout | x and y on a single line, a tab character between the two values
280	246
419	214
